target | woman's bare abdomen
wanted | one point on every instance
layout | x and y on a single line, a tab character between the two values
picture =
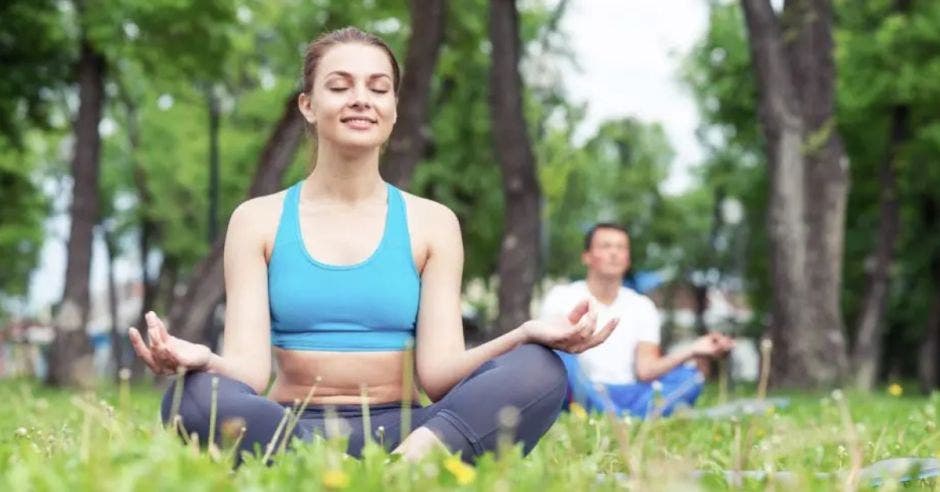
342	375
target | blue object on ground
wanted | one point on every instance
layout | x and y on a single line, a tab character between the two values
900	469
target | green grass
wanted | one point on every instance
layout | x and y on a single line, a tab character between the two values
55	440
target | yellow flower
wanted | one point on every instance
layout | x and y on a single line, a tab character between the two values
895	389
578	411
463	472
335	479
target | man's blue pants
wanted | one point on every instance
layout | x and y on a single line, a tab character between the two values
678	387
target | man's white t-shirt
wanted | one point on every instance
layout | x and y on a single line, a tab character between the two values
611	362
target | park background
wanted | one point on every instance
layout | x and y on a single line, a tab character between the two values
131	131
792	178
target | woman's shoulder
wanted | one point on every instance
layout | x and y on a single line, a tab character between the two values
428	213
258	206
258	214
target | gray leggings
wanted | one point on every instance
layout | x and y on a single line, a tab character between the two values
530	378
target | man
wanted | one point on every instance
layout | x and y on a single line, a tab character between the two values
627	373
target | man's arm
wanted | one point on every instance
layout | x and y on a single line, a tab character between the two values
651	364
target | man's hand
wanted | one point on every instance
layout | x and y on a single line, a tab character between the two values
714	344
574	333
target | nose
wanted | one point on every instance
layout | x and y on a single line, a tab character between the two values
360	97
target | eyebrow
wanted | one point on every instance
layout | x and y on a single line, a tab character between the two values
349	75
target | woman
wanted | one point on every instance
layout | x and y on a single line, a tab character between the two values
340	273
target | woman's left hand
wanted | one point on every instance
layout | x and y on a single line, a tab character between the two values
574	333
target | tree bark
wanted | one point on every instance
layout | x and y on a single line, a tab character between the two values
117	351
165	283
928	371
70	357
212	102
189	313
148	228
866	355
519	259
826	181
928	368
409	140
808	187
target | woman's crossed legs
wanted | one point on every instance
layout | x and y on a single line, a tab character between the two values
530	378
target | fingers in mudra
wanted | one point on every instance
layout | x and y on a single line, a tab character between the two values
586	327
157	351
597	337
137	342
161	353
579	311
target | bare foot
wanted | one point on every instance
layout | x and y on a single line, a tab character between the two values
418	444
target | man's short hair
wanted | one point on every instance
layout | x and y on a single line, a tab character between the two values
589	236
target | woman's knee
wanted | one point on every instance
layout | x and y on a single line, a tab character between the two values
189	400
540	369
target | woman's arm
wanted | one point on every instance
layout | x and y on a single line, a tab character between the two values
246	348
246	354
442	358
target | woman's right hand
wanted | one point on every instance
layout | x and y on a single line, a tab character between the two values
574	333
165	354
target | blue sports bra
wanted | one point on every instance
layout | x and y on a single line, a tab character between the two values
369	306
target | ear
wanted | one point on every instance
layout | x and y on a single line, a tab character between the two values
305	105
584	258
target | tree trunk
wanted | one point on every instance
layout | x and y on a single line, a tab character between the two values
809	183
165	284
148	229
826	182
928	371
866	355
212	101
70	357
409	139
116	345
189	313
519	259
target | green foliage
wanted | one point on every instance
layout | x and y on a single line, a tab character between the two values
22	211
461	170
253	66
718	71
885	58
112	440
614	177
35	54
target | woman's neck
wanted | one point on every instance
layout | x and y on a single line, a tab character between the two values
344	176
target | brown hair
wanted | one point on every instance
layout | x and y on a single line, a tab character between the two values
319	46
589	236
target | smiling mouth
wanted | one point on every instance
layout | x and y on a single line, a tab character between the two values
357	119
